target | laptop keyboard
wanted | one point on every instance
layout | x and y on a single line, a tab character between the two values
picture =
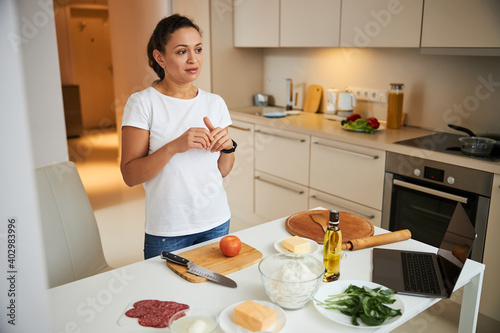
419	273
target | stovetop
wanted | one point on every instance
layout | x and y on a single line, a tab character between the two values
446	143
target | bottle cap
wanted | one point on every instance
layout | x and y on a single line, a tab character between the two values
334	217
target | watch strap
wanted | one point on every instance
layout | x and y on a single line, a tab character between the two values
229	151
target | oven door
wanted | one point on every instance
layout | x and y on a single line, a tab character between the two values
426	209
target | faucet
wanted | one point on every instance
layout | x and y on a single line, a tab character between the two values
289	95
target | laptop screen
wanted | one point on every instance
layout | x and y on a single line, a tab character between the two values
455	247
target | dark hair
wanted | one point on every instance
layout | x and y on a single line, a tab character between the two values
161	36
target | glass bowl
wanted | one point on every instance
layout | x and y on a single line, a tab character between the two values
291	280
477	146
194	320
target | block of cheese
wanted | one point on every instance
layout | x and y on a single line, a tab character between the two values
296	244
254	316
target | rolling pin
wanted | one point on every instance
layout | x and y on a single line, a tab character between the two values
363	243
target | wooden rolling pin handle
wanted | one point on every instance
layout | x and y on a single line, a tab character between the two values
363	243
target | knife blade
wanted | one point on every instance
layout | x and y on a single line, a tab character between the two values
199	270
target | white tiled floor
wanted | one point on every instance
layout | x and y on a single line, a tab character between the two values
119	211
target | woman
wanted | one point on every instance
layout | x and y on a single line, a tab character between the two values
175	143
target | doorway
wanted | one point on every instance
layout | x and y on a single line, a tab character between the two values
89	66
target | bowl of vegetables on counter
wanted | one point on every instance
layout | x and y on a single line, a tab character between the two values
357	124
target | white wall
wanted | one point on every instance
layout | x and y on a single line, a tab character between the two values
236	73
439	89
43	83
17	198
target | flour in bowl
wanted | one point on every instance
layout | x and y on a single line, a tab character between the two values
292	285
294	271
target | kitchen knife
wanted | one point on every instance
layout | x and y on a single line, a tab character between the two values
198	270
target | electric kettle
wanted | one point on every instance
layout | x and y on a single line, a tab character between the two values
346	101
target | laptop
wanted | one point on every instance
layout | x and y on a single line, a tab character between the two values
427	274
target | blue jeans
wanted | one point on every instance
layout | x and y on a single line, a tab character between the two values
154	245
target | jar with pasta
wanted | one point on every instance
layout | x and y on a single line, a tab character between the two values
395	106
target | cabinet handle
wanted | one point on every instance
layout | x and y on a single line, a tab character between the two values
369	217
281	136
372	157
279	185
240	128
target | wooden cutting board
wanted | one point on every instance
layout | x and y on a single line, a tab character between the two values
312	224
210	257
313	97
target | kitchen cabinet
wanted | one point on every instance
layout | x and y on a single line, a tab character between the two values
461	23
286	23
381	23
282	153
328	201
275	197
256	23
239	183
309	23
489	305
348	171
281	172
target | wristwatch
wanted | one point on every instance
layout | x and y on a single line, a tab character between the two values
229	151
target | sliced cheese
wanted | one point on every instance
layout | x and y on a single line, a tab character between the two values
254	316
296	244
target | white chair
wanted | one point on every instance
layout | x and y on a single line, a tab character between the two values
72	243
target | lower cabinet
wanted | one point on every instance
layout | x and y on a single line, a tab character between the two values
279	172
282	153
328	201
239	182
348	171
276	197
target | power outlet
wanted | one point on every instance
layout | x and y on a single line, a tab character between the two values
369	95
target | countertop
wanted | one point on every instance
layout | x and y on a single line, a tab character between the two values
315	124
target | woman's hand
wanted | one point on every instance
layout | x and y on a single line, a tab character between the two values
194	138
221	139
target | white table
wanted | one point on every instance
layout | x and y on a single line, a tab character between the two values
95	304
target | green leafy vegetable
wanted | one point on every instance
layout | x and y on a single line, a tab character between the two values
358	125
363	302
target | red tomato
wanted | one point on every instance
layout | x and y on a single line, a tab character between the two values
230	245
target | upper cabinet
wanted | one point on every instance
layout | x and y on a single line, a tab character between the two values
461	23
256	23
362	23
309	23
381	23
286	23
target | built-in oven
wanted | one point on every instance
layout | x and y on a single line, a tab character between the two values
421	195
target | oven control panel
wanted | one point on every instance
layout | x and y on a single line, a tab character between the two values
434	174
454	176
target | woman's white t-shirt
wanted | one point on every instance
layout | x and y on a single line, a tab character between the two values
187	196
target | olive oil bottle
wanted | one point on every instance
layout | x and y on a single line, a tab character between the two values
332	248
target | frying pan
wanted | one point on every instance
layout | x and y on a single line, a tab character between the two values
480	142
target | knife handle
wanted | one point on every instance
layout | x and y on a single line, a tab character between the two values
174	258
